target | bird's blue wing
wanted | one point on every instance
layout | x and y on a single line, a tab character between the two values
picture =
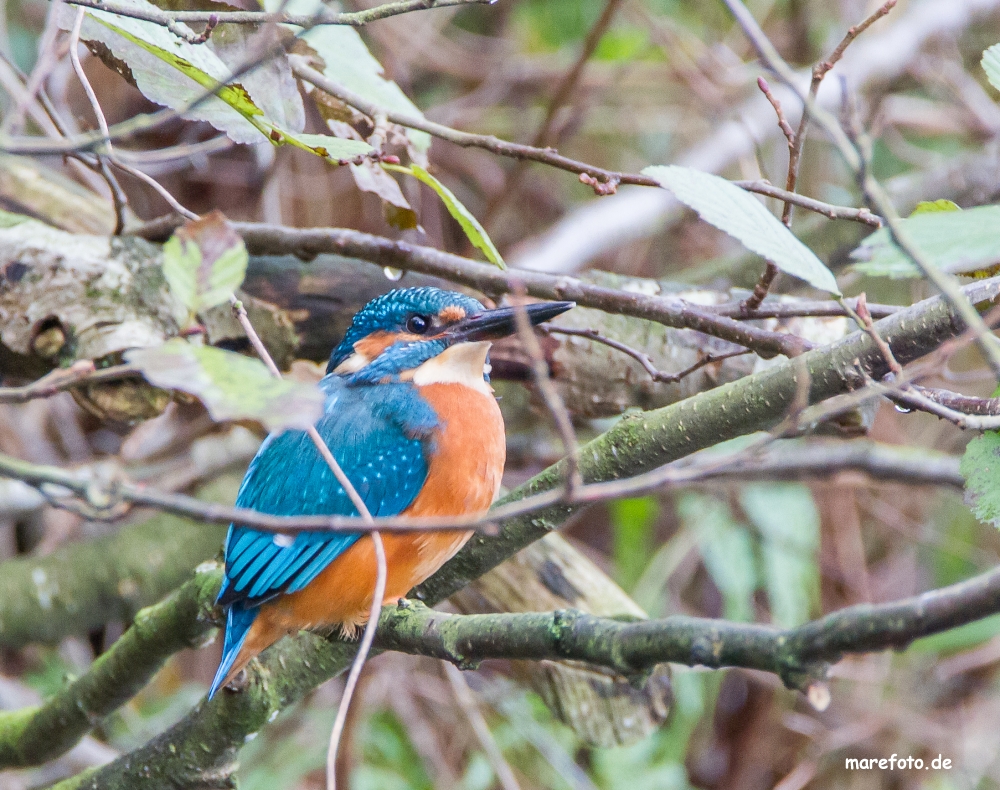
378	436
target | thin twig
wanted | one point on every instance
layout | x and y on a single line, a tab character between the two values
80	373
74	56
327	17
158	187
467	701
548	156
553	402
798	309
488	279
641	356
874	193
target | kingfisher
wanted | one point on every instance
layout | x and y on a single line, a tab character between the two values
411	418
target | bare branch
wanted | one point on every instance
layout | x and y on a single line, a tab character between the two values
169	19
307	242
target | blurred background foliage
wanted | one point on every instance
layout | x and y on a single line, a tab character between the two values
664	75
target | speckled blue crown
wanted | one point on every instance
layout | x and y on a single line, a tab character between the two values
389	312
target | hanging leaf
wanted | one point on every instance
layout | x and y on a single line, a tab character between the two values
204	262
475	232
991	65
744	217
232	386
957	242
271	83
981	469
347	61
788	522
139	50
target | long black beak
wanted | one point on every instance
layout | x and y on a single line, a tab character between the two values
501	322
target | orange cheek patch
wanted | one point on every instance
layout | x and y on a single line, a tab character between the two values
452	313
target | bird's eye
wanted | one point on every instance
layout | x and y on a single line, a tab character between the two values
417	324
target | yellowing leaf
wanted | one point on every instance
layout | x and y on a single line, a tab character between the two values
333	149
146	49
934	206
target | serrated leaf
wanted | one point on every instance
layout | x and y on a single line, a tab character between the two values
144	48
933	206
232	386
991	65
788	522
475	232
204	262
981	469
957	242
745	218
333	149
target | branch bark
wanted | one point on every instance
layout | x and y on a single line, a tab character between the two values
309	242
85	585
200	749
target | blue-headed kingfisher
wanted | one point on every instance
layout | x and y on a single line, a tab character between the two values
411	418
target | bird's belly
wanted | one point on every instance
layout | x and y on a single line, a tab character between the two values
463	478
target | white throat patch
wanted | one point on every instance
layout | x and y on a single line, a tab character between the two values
464	363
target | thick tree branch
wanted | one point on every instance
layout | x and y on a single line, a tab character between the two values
34	735
308	242
85	585
200	749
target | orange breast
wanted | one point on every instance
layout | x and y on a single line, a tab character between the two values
463	479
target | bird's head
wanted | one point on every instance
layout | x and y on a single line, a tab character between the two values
427	332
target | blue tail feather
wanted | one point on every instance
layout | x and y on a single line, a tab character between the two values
239	618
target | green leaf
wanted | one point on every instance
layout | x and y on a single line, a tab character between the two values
333	149
143	48
981	469
475	232
934	206
232	386
204	262
991	65
632	522
744	217
957	242
788	522
726	551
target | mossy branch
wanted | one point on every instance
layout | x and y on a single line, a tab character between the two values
200	749
34	735
85	585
